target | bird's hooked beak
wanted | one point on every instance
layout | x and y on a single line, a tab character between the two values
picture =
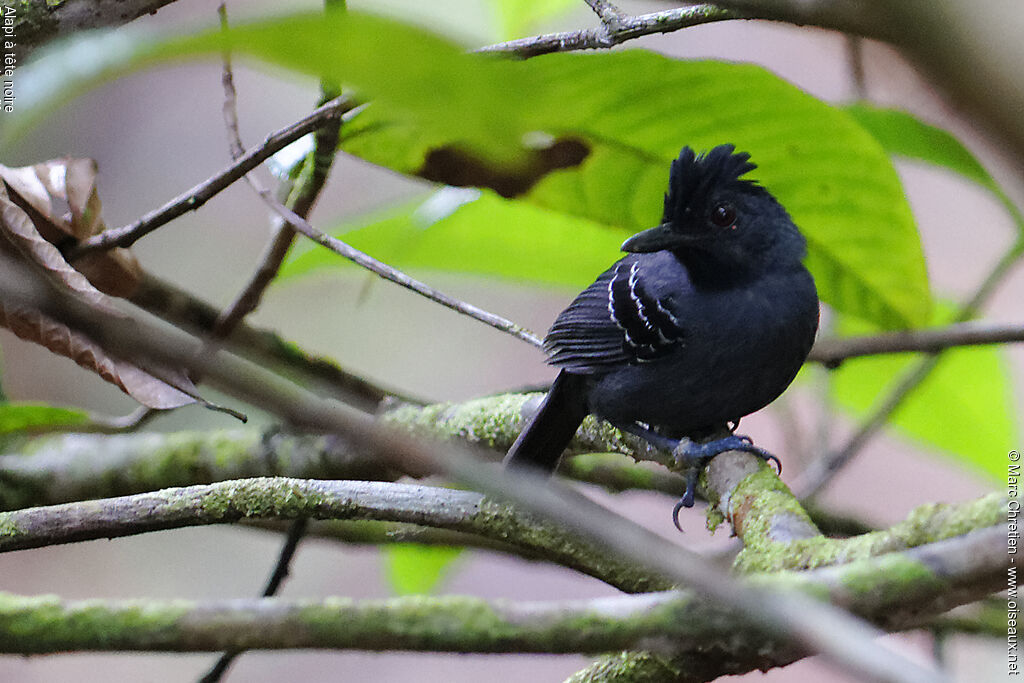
659	238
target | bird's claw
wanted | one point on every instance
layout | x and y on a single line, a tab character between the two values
693	456
687	500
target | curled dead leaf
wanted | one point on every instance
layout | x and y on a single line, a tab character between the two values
32	231
141	385
63	206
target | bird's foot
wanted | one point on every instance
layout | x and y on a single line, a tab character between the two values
691	457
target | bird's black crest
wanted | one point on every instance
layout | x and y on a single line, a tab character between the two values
693	176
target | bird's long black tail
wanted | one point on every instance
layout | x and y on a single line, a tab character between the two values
541	443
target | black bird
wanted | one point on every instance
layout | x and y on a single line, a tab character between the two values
708	319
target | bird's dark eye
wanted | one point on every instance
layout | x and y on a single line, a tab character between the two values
723	215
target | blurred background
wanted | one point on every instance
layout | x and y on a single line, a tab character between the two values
158	132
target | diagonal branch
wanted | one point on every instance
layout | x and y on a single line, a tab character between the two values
799	619
200	194
169	302
396	276
822	470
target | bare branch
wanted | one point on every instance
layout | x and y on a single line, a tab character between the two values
39	21
206	190
396	276
832	352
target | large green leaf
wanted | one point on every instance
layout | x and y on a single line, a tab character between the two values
965	407
902	134
417	569
632	109
833	177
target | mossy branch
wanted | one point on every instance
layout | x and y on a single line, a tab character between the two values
776	532
282	498
898	590
795	617
57	469
60	469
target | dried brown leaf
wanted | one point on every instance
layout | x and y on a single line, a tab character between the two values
21	234
36	327
154	387
63	205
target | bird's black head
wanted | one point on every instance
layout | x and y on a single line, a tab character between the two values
715	219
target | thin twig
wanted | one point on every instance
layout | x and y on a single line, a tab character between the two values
832	352
855	58
386	272
618	28
197	196
301	199
611	16
315	169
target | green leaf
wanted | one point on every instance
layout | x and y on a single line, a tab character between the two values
965	407
902	134
23	417
832	176
632	110
417	569
518	18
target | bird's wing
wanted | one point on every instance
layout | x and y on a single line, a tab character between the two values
625	317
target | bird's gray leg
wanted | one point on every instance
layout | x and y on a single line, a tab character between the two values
692	455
